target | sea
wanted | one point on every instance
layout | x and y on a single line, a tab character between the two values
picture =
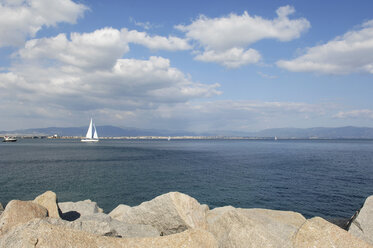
327	178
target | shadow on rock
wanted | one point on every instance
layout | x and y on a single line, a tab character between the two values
70	216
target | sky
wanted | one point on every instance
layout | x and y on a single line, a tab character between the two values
199	66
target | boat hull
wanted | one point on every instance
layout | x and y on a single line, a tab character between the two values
89	140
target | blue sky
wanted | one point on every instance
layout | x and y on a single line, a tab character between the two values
186	65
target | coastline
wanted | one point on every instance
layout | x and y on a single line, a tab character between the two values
171	220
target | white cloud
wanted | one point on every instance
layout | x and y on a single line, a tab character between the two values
352	52
156	42
222	35
239	31
96	50
232	58
22	19
88	72
361	113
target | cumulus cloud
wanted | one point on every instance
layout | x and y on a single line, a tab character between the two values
352	52
361	113
226	38
242	30
156	42
95	50
86	72
232	58
22	19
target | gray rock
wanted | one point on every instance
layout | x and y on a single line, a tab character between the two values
317	232
49	201
103	225
41	233
18	212
235	227
362	223
170	213
74	210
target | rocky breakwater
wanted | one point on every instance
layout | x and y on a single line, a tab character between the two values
170	220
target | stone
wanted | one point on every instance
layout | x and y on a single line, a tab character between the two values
320	233
40	233
117	212
1	208
102	224
73	210
236	227
49	201
19	212
362	223
170	213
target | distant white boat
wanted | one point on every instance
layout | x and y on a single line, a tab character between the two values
91	135
276	138
9	139
169	138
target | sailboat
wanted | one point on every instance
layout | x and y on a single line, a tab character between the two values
91	135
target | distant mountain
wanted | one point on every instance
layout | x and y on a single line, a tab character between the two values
103	131
348	132
297	133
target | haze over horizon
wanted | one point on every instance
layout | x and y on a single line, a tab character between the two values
186	65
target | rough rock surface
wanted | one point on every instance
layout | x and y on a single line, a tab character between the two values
320	233
103	225
235	227
362	225
170	213
19	212
117	212
73	210
1	208
40	233
49	201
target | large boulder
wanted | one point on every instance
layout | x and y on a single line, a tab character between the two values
170	213
73	210
103	225
49	201
235	227
19	212
320	233
362	223
40	233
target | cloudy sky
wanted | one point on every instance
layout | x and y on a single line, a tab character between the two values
186	65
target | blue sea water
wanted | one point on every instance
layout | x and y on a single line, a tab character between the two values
327	178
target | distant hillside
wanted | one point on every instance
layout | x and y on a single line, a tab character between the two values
298	133
319	132
103	131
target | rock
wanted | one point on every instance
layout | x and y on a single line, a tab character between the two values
73	210
1	209
40	233
19	212
235	227
104	225
362	224
117	212
170	213
320	233
49	201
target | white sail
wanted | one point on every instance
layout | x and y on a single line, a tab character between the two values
95	136
91	135
89	132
